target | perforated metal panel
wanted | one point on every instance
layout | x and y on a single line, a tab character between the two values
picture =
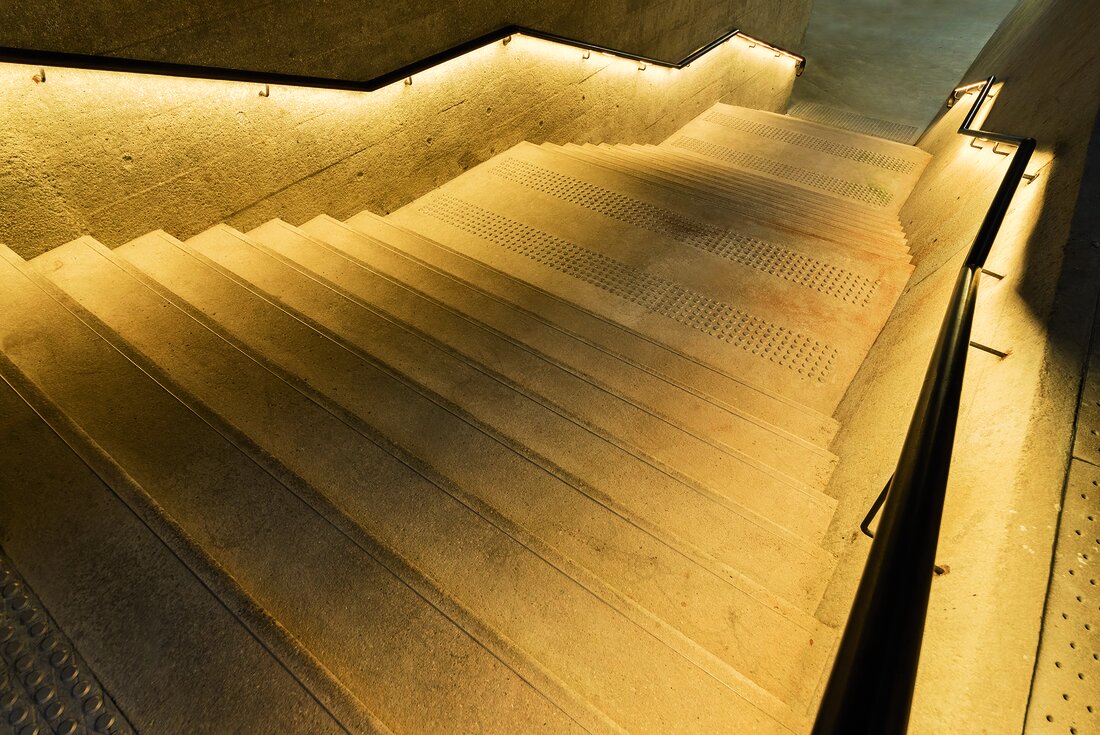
812	142
748	251
1065	696
45	686
804	355
831	184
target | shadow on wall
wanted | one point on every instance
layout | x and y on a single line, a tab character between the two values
1050	67
117	155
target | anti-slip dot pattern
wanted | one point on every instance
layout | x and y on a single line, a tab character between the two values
812	142
46	686
1066	690
742	249
835	118
831	184
802	354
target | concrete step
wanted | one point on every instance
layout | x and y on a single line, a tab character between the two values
709	383
384	645
206	291
755	196
883	243
821	200
877	136
833	117
814	138
873	172
761	213
530	213
759	218
445	305
823	224
768	277
470	410
737	480
835	210
169	652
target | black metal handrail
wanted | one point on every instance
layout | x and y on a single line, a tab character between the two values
870	687
194	71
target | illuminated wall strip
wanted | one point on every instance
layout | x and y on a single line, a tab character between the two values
165	68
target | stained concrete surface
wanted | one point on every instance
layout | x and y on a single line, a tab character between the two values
893	60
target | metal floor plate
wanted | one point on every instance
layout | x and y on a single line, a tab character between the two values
1065	696
46	688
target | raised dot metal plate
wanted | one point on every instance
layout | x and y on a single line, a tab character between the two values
811	142
847	189
1065	697
45	686
745	250
800	353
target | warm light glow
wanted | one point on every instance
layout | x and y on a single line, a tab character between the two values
114	153
472	62
777	52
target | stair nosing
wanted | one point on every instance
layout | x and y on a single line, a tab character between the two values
885	240
572	570
692	167
790	403
313	676
404	572
597	495
809	492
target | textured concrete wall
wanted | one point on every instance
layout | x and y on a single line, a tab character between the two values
115	156
1014	438
360	39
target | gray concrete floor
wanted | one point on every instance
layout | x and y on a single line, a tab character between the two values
893	60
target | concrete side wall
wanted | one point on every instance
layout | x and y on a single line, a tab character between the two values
115	156
360	39
1014	440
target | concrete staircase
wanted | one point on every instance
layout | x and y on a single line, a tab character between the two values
545	450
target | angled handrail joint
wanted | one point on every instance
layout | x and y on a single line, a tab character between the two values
97	62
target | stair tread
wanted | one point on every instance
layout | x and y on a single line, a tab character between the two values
815	137
149	622
678	367
716	143
704	254
462	307
854	168
797	228
876	143
271	331
192	281
835	117
779	206
772	194
698	301
748	484
424	671
846	235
